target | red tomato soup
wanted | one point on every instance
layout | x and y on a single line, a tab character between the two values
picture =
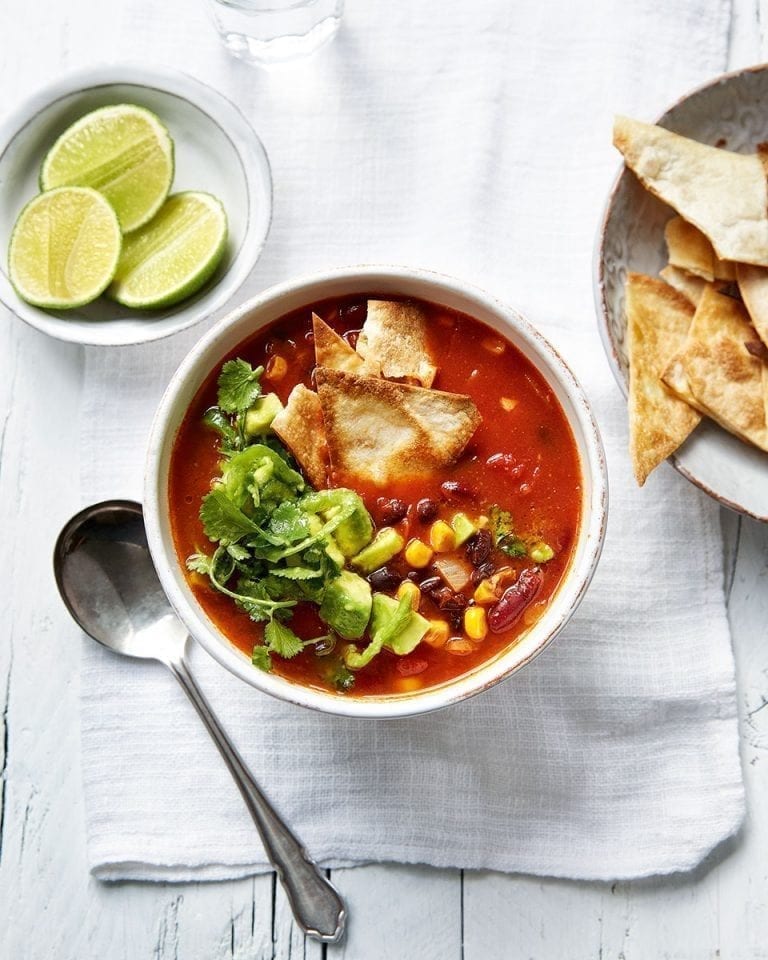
522	459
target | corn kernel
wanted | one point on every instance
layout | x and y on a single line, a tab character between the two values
438	633
442	537
484	593
459	646
483	522
410	590
277	367
508	404
494	345
408	684
417	554
475	623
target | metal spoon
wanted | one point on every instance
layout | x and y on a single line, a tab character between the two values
105	575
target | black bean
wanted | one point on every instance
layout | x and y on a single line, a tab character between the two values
479	547
446	599
426	509
391	510
431	584
384	579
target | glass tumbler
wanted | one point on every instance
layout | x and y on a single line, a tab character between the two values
271	31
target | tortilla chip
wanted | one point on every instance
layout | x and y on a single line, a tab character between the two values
334	352
301	428
658	318
724	377
395	335
690	250
691	287
381	431
753	286
675	379
724	194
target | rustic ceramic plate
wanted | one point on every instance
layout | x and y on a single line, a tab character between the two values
216	150
731	112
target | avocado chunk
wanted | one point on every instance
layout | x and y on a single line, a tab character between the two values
258	419
356	531
383	547
346	606
384	608
463	528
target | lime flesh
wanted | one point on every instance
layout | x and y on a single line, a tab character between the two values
172	256
64	248
124	152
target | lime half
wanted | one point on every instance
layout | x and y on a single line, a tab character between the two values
173	255
64	248
124	152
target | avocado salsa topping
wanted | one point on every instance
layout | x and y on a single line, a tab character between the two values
324	547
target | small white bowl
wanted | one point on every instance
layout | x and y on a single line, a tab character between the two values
730	112
207	355
216	150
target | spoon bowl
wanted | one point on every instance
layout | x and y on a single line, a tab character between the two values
108	582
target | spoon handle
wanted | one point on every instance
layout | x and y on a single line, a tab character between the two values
316	904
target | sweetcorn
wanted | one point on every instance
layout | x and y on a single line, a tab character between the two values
442	537
418	554
475	623
410	590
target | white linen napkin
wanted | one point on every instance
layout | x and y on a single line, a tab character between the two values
472	138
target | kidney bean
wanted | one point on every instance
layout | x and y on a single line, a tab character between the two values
515	599
391	510
455	490
411	666
384	579
479	547
426	509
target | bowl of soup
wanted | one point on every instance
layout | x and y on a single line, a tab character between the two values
375	492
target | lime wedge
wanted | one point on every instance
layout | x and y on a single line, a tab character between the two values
124	152
64	248
174	254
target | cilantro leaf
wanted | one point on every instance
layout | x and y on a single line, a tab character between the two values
289	522
217	420
222	520
260	658
238	553
282	640
504	536
238	385
296	573
199	563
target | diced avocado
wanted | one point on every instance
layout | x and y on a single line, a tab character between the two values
410	636
541	552
356	531
346	606
331	548
463	528
258	419
383	547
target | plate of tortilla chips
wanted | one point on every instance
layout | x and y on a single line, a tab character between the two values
681	285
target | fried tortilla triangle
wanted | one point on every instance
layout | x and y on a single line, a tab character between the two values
379	431
723	376
395	336
301	428
724	194
753	286
691	287
334	352
690	250
658	318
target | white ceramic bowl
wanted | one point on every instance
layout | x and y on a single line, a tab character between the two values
206	356
216	150
730	111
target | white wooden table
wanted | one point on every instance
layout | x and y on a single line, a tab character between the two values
49	905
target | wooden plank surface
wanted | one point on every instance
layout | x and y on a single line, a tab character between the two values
50	907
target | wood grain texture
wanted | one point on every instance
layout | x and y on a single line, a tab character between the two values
49	905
